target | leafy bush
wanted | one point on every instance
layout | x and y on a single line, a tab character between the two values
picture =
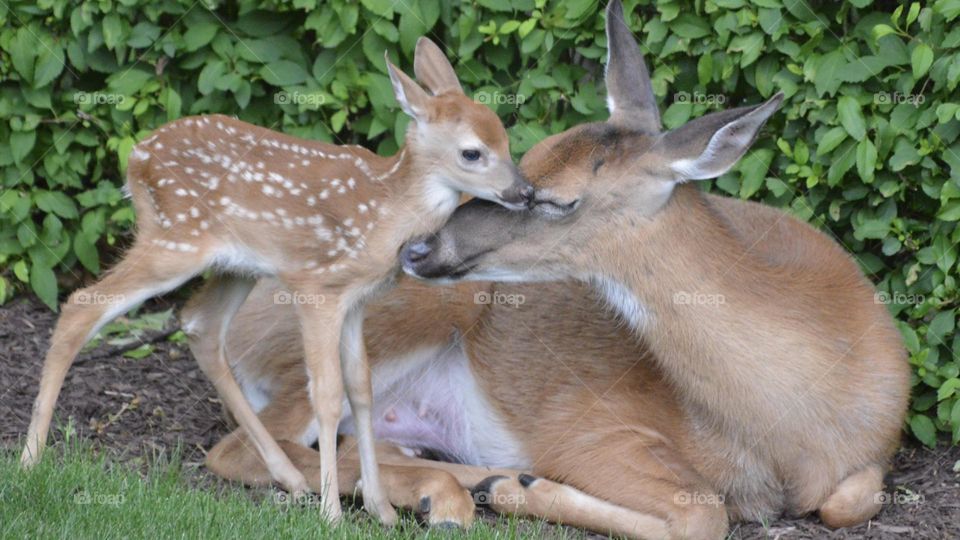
865	146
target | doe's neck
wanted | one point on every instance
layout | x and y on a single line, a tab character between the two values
685	267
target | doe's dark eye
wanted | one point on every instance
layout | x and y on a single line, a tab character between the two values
470	155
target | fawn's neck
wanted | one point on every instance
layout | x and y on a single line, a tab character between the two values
420	199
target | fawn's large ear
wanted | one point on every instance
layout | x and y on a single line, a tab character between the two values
433	69
412	98
629	92
710	145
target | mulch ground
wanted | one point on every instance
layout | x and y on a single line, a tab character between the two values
136	409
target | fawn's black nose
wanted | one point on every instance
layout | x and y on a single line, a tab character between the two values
527	195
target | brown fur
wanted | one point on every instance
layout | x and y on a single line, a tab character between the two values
787	396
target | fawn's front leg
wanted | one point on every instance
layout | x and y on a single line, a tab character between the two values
356	372
321	321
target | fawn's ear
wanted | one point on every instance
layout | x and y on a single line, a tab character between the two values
710	145
412	98
433	69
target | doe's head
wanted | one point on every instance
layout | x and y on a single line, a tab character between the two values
601	188
463	141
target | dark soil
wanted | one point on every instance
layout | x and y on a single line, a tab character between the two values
136	409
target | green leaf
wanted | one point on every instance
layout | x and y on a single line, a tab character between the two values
50	64
44	284
924	430
199	34
383	8
866	160
112	30
828	75
830	140
209	76
949	211
690	26
86	252
904	154
23	52
851	117
58	203
21	142
754	167
140	352
940	326
21	271
948	388
881	30
283	73
920	60
496	5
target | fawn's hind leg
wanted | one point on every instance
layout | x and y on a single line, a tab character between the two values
145	272
207	318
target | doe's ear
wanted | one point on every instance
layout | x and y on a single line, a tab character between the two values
629	91
710	145
433	69
412	98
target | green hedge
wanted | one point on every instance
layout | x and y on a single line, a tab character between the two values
865	146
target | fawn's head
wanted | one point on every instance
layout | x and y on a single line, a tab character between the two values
464	142
595	183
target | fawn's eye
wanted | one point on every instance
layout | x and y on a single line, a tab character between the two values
470	155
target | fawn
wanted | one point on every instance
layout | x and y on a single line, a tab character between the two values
212	192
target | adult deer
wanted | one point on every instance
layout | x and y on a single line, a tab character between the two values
215	193
792	380
754	376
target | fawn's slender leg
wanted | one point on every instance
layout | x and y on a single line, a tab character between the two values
321	322
210	312
142	274
356	377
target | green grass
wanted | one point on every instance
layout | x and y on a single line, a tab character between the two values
74	493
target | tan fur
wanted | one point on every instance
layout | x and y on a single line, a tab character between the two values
787	396
215	193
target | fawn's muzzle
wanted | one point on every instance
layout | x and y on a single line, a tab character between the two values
520	195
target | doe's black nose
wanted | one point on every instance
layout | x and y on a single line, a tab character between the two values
415	251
